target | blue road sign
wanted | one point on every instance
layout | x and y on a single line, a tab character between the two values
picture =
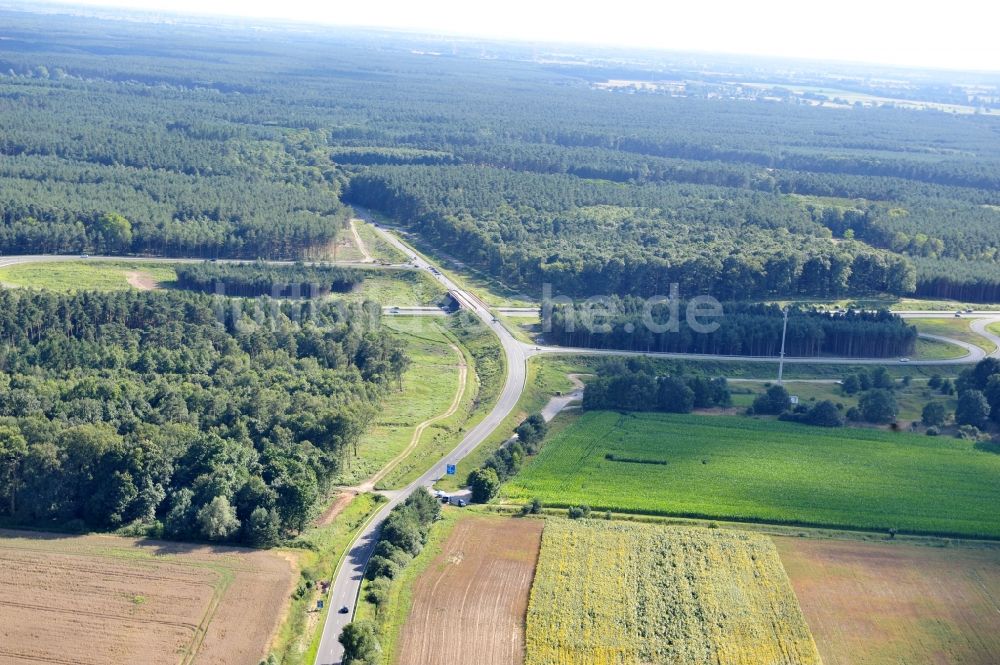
452	470
319	604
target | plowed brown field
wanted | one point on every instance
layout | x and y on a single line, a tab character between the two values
469	605
889	603
103	599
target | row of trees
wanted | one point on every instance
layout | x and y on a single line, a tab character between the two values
506	461
979	395
742	330
964	281
188	416
261	279
402	537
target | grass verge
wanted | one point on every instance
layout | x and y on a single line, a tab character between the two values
399	600
954	328
318	552
429	385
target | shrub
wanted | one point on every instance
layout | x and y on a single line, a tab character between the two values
381	567
578	512
934	414
972	409
378	590
824	414
531	432
361	645
776	400
878	406
485	485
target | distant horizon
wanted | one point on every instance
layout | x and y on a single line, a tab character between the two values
958	42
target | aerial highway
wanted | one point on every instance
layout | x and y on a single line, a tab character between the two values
346	586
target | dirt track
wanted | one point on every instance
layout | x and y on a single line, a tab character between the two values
887	603
102	599
463	379
141	281
469	605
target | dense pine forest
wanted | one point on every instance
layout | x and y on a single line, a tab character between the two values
200	417
249	280
188	140
745	330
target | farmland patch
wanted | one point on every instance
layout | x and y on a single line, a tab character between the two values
740	468
469	604
885	603
104	599
619	593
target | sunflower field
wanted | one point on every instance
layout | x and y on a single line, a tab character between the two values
614	593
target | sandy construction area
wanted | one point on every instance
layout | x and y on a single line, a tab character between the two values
880	603
469	605
104	599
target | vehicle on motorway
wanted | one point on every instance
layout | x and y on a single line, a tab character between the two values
904	360
85	256
344	610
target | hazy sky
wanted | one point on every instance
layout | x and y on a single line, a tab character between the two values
958	34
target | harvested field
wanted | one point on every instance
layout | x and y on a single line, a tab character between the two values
469	605
103	599
887	603
629	594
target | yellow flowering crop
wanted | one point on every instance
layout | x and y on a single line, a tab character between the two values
630	594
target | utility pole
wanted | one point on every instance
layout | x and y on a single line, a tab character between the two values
784	329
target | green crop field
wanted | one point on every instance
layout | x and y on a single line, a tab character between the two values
611	593
732	467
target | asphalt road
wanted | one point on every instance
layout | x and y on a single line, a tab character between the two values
56	258
346	586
